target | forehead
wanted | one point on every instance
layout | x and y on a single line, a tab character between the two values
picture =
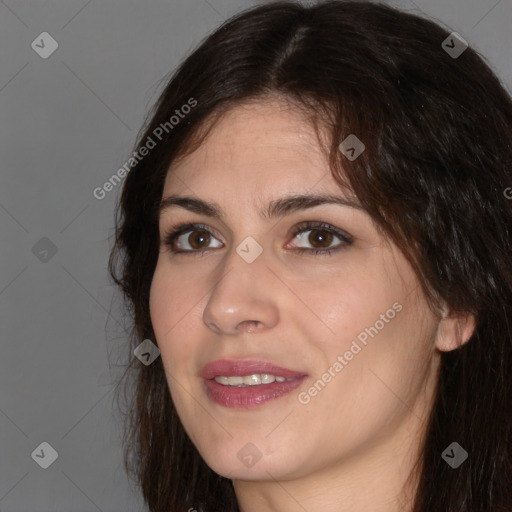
256	145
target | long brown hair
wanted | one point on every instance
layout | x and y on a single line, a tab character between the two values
433	176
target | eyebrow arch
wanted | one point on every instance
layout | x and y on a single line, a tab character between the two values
276	208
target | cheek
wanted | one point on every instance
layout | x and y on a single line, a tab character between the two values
160	301
170	309
349	302
378	320
172	298
171	306
377	382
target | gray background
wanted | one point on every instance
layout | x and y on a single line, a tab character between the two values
67	123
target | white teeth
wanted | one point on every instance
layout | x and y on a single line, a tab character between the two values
249	380
235	381
252	380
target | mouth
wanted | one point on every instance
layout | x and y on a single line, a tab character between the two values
248	384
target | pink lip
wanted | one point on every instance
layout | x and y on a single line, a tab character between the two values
250	396
231	368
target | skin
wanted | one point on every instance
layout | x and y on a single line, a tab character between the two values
353	445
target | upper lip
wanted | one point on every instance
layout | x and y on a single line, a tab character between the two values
233	368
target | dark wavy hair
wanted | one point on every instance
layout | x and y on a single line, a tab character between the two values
433	176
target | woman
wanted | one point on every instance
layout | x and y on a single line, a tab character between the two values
318	241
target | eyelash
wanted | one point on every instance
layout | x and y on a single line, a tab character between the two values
181	229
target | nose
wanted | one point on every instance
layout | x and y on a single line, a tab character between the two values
243	299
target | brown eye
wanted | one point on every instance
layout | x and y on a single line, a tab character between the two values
320	238
197	239
190	238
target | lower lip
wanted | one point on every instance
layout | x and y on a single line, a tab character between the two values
249	397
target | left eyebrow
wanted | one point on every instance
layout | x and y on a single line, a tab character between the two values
276	208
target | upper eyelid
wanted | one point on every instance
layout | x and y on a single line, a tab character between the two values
181	229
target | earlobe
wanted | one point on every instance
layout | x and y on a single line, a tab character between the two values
454	331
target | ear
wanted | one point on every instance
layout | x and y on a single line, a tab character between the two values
454	330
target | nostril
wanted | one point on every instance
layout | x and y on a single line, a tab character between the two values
251	325
214	327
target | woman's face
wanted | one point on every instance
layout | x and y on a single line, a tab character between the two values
351	328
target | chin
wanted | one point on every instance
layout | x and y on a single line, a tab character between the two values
261	471
243	460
